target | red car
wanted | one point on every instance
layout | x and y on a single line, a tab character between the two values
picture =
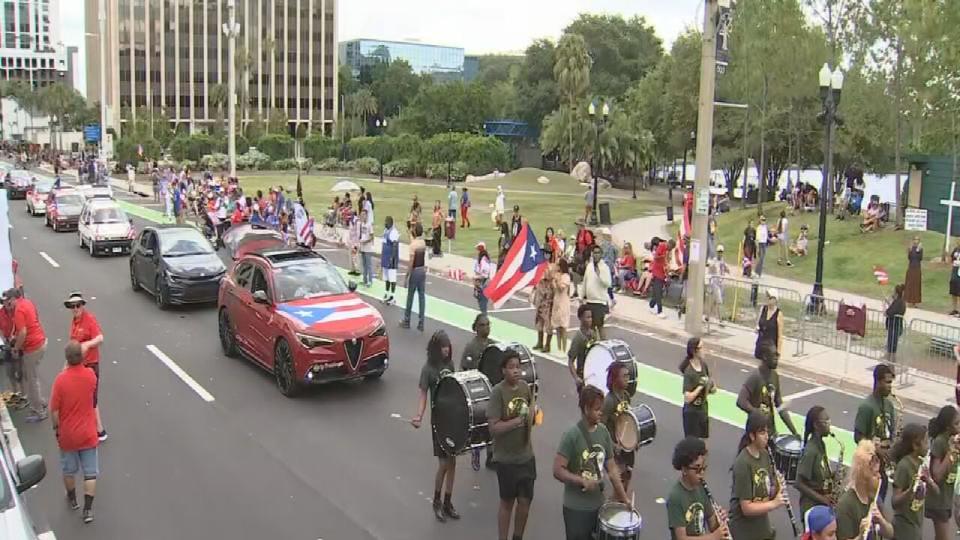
63	209
291	312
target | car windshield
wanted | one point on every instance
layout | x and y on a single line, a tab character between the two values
44	187
308	279
109	215
70	200
181	242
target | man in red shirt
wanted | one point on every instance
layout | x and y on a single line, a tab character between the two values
14	397
85	330
75	427
29	344
658	269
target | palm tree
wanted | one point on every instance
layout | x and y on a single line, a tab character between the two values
244	61
362	104
219	97
572	73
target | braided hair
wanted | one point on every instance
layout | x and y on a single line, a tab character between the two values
809	430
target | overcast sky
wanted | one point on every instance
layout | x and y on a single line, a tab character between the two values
479	26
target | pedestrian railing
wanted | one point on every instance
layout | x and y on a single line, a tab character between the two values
739	302
818	325
928	351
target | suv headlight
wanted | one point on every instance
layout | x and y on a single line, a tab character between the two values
380	331
312	342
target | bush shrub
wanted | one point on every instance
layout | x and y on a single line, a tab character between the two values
367	165
276	145
291	164
215	162
400	167
254	160
319	148
331	164
438	171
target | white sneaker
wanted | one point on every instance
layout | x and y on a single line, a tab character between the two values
661	315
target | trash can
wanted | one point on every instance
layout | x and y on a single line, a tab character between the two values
670	214
605	213
450	227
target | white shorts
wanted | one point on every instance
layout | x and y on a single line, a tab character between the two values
390	274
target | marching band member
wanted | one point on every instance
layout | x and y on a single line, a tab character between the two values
690	511
876	418
439	362
473	351
580	344
857	508
943	430
815	480
761	392
756	490
910	482
584	452
510	412
820	523
697	384
616	403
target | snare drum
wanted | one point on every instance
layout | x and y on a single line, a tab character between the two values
490	360
599	358
459	413
617	522
635	427
787	450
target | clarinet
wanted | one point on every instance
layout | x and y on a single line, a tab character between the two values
716	510
783	485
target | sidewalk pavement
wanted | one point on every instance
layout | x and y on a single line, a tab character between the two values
822	365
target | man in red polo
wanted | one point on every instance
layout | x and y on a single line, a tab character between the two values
29	344
14	396
658	269
75	427
85	330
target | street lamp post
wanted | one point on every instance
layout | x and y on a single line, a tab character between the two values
831	85
600	124
232	30
381	127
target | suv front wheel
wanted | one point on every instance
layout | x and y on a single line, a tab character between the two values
284	370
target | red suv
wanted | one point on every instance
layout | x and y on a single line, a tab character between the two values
291	312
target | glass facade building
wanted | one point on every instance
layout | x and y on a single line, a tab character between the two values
444	63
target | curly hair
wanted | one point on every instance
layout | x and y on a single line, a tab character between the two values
861	466
435	346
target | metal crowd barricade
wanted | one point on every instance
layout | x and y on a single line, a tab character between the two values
818	324
740	302
928	351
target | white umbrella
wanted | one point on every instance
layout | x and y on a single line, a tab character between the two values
345	185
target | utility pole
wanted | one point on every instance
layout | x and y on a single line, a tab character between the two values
701	187
232	29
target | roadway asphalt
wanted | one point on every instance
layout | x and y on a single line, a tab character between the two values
333	464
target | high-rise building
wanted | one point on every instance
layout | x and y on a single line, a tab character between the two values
30	49
172	55
443	63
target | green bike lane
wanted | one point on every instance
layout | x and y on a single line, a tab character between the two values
652	381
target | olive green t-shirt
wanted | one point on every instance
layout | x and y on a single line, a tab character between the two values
578	350
850	512
586	458
688	509
430	376
512	447
765	395
472	353
692	379
753	480
908	518
613	405
814	468
943	500
876	418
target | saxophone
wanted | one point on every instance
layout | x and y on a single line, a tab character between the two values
890	467
840	475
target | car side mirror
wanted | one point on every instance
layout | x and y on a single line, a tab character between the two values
352	285
148	252
30	471
260	297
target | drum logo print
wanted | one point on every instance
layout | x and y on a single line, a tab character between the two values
697	518
623	407
762	486
517	406
590	461
882	427
766	398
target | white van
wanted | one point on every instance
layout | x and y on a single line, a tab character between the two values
105	228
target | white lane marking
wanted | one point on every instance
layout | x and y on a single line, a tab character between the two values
805	393
179	372
508	310
49	259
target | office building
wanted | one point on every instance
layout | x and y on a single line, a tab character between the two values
443	63
31	49
471	67
173	54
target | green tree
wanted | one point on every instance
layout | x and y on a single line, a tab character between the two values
537	91
441	108
498	68
361	105
572	73
397	88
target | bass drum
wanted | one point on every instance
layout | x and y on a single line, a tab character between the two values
459	412
492	356
599	358
635	427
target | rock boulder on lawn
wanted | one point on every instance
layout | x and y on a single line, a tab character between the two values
581	171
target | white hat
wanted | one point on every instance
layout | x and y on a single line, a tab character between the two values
605	231
720	247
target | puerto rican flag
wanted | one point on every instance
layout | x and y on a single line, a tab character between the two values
523	266
331	315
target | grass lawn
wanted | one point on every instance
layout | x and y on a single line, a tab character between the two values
849	255
557	204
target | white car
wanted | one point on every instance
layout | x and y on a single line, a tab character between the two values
90	191
105	228
37	197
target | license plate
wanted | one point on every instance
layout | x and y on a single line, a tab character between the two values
117	250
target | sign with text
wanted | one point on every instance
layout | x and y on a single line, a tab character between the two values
91	133
724	27
703	202
915	219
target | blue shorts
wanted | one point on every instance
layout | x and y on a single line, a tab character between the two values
76	460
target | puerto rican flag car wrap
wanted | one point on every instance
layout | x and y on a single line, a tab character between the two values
339	317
